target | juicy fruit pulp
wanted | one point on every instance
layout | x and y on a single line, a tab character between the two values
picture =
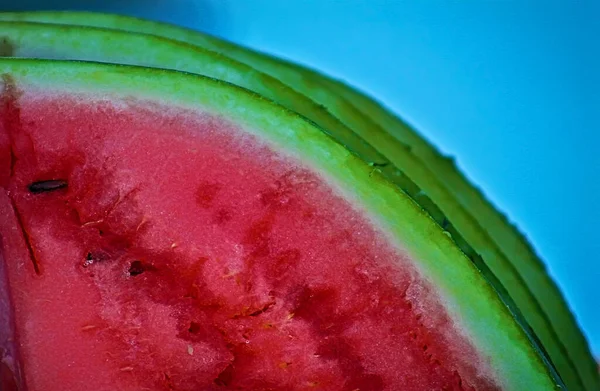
201	279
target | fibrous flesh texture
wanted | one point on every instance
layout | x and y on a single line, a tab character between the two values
174	251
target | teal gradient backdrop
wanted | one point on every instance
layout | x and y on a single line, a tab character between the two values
508	88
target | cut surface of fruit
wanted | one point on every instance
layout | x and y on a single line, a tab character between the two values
469	215
167	231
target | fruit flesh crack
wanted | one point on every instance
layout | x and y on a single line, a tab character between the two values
27	239
11	121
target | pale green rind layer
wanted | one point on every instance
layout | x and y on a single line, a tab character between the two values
26	39
478	239
470	300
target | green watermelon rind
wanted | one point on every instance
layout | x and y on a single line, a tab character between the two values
469	299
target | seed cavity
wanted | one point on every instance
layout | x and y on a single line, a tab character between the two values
93	257
47	186
137	267
194	328
88	261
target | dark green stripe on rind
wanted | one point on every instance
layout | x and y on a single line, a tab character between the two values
469	298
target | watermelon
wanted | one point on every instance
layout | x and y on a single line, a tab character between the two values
249	282
479	230
168	231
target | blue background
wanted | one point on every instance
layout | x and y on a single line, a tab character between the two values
509	88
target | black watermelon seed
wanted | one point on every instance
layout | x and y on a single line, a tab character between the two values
46	186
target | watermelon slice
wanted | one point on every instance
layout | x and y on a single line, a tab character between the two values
165	231
477	228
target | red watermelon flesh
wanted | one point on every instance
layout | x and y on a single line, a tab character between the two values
151	248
